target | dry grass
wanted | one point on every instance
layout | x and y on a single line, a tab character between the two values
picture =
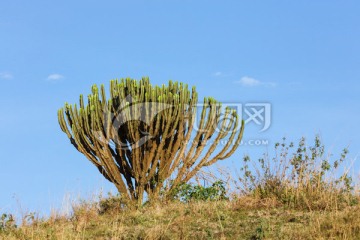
301	177
245	218
295	195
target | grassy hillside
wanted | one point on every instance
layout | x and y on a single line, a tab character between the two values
300	193
244	218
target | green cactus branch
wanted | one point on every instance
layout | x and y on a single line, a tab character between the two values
142	134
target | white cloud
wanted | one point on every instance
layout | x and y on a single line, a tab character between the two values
249	82
6	75
221	74
252	82
55	77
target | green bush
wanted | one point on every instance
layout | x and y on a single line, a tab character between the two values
187	192
7	221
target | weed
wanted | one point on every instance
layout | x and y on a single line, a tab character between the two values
302	177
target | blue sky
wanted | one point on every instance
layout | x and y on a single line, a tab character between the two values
303	57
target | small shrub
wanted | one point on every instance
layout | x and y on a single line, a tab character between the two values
7	222
111	204
259	233
187	192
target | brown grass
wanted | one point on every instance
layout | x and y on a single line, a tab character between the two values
296	195
244	218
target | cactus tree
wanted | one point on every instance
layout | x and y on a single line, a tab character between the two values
143	134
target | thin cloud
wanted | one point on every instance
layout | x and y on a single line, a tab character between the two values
55	77
6	75
252	82
220	74
249	82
